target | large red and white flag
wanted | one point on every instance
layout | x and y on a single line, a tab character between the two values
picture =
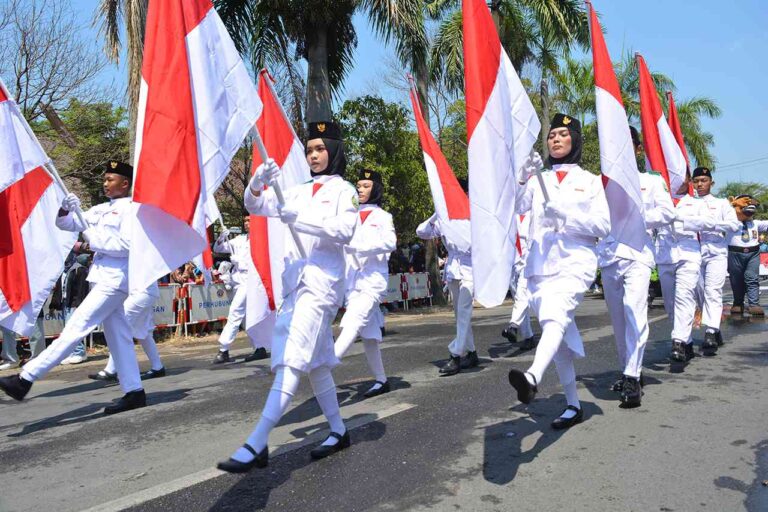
502	127
661	148
196	105
271	242
677	130
32	248
451	203
618	166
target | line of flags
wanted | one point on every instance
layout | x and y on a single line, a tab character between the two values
195	111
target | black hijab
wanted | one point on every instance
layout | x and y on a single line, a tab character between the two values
330	133
574	127
377	192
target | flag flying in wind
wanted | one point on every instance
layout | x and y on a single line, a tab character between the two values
451	203
196	105
32	248
271	242
617	156
677	130
661	148
502	127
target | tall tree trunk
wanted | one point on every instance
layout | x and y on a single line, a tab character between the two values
136	16
318	84
544	94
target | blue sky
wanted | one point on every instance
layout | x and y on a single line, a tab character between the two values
709	48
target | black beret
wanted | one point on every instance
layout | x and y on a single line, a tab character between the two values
369	174
565	121
115	167
702	171
324	130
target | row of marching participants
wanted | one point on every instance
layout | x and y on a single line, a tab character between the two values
347	238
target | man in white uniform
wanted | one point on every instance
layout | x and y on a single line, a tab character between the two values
719	222
239	249
626	275
107	232
367	277
458	275
744	257
520	321
324	213
562	258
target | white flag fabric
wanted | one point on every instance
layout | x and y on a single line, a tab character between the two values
19	151
502	127
196	105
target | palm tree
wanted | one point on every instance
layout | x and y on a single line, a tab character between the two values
574	86
697	140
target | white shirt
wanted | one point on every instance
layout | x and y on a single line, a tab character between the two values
371	245
680	240
459	263
573	247
715	237
108	235
748	233
239	250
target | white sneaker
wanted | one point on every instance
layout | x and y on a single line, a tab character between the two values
76	359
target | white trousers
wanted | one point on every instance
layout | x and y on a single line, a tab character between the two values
362	318
710	289
235	318
678	285
103	305
520	315
464	342
139	312
625	284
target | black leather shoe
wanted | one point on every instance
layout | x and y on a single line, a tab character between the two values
709	345
103	376
129	401
719	338
678	352
258	354
528	343
510	332
470	361
563	423
688	351
526	391
323	451
15	387
618	385
221	357
384	388
153	374
260	460
631	393
452	367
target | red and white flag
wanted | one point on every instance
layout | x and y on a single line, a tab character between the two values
502	127
33	249
451	203
204	261
677	130
271	242
196	105
661	148
617	156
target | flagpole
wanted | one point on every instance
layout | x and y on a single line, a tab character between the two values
48	166
278	192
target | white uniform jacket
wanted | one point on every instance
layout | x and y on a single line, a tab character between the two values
680	240
658	212
714	242
108	234
373	242
581	196
326	222
459	263
239	250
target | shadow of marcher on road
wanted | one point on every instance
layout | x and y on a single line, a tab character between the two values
503	452
359	389
93	385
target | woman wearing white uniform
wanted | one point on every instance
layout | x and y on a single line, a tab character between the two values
367	278
324	212
562	258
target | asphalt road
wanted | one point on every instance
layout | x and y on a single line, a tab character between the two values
698	442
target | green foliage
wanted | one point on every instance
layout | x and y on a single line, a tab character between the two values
756	190
378	136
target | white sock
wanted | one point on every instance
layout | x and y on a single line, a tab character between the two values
373	354
325	393
551	337
150	348
284	387
110	368
566	372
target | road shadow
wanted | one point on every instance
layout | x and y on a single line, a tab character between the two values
357	390
503	445
439	363
252	491
506	350
93	385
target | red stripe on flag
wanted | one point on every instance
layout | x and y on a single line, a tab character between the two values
456	200
168	174
482	57
19	200
276	132
260	255
3	97
650	113
605	78
677	129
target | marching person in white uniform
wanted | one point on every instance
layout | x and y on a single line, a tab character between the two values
239	249
458	276
367	277
626	275
520	321
107	233
562	258
324	212
719	222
